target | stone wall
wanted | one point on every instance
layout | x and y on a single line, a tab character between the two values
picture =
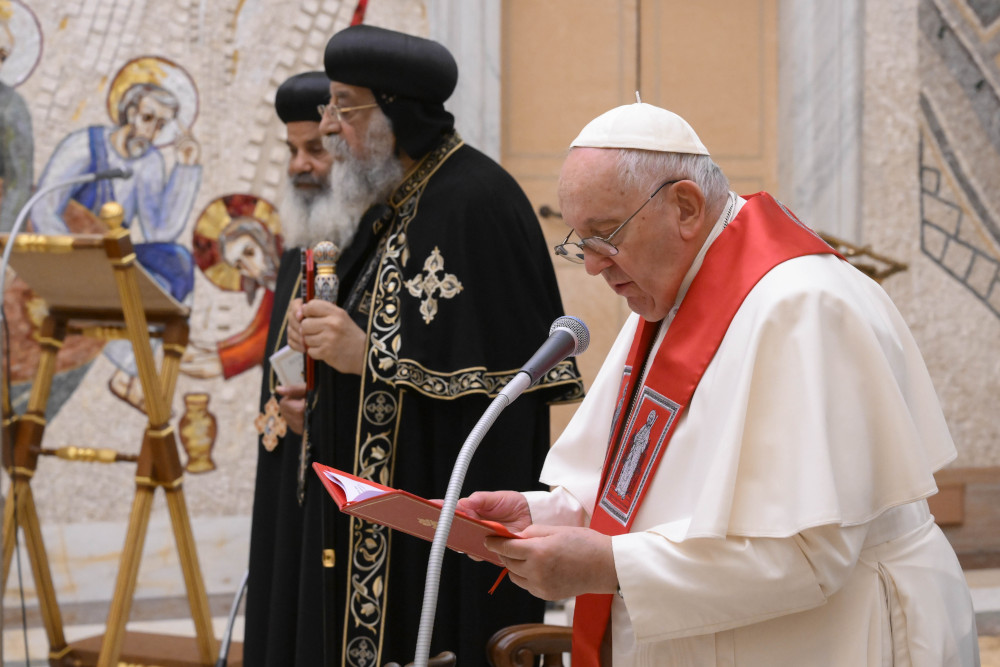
223	61
931	143
889	121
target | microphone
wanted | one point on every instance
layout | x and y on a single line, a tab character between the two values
568	336
111	173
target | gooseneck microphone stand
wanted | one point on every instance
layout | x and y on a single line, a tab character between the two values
567	337
520	382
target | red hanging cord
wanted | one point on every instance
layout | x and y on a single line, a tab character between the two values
359	12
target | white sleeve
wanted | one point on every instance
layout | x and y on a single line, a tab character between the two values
556	508
706	585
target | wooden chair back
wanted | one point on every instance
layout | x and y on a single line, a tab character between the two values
522	645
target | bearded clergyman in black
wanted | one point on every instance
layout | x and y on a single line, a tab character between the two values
309	211
446	289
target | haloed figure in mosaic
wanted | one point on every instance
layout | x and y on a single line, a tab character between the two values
17	147
143	108
407	359
244	255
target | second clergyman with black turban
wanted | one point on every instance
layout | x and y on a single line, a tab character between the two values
446	289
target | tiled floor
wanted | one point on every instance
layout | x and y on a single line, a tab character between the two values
985	586
989	651
13	645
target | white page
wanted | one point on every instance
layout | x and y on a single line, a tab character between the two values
353	489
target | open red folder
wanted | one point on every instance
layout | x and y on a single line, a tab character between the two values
406	512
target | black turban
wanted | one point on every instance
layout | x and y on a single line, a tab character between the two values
410	76
299	96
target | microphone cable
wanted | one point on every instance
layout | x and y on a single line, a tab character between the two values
13	498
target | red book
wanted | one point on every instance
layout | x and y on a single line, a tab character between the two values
406	512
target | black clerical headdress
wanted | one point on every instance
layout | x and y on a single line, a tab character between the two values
410	76
299	97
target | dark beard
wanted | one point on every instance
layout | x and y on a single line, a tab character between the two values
308	184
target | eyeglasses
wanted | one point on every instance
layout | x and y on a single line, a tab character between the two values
342	113
573	250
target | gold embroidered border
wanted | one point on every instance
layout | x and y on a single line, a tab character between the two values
379	411
386	340
470	381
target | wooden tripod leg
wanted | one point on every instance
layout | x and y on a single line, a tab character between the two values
128	573
197	596
175	340
22	461
122	257
27	519
8	536
159	464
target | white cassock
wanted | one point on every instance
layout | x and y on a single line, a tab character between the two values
787	523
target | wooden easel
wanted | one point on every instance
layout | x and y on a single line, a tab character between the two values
93	285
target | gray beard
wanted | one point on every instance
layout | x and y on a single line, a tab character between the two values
310	217
355	184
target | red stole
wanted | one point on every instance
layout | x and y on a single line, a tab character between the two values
763	235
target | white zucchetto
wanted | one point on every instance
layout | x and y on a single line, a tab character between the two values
641	126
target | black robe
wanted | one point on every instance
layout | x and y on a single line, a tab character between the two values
454	284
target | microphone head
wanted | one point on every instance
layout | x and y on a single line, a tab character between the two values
112	173
576	328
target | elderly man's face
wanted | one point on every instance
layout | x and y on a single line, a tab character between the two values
308	161
352	125
653	253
